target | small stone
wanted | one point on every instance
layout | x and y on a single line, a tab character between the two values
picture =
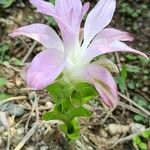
18	81
136	128
49	105
14	109
5	133
103	133
145	89
10	85
44	148
20	131
5	136
114	129
90	148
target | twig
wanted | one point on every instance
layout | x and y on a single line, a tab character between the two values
118	60
36	107
131	108
9	137
142	94
127	138
29	52
106	117
27	136
27	89
12	99
4	121
135	104
6	64
22	120
24	42
28	120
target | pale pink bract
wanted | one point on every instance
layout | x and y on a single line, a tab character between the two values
71	56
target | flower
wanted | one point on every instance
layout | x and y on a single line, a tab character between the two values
73	54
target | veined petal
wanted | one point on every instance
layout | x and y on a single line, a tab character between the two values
112	34
41	33
68	14
101	47
51	10
45	68
101	78
43	7
100	16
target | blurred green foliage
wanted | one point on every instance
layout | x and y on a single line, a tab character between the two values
4	48
6	3
132	13
141	141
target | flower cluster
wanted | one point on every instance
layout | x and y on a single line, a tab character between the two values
72	54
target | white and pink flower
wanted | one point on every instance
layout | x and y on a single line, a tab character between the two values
71	54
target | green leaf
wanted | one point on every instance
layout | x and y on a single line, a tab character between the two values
83	93
74	136
133	69
146	134
72	130
136	140
78	112
131	57
143	146
121	83
139	118
63	127
52	1
3	81
18	62
56	114
131	85
4	96
141	101
60	90
124	72
3	48
121	80
86	89
50	21
143	60
66	105
144	6
6	3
